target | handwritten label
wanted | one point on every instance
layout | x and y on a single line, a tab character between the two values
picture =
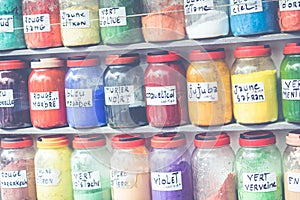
166	181
205	91
86	180
161	95
290	89
245	6
293	181
197	6
249	92
286	5
36	23
82	98
6	98
6	23
259	182
47	177
44	100
112	17
14	179
122	179
75	18
119	95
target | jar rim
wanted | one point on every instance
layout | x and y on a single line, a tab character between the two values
207	54
257	138
127	141
82	61
293	138
47	63
122	59
210	140
291	48
162	56
11	64
16	142
88	141
168	140
52	141
252	51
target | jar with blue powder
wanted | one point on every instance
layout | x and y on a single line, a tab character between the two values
251	17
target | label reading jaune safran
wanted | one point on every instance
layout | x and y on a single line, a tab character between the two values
259	182
159	96
290	89
166	181
82	98
44	100
14	179
88	180
6	23
249	92
119	95
202	92
245	6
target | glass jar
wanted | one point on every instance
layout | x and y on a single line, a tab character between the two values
165	89
41	23
209	88
164	20
291	166
120	21
79	22
290	79
11	25
84	92
90	165
253	17
259	167
289	16
14	105
206	19
124	91
17	168
130	168
46	88
254	86
52	168
171	175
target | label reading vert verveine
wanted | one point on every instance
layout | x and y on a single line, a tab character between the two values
47	177
79	98
293	181
119	95
290	89
75	18
7	98
36	23
88	180
248	92
259	182
166	181
202	91
245	6
289	5
14	179
197	7
115	16
6	23
160	96
44	100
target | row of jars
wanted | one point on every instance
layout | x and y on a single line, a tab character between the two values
52	23
163	95
88	170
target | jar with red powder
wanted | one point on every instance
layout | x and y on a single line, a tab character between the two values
289	16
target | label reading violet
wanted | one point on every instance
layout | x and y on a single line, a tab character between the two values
166	181
245	6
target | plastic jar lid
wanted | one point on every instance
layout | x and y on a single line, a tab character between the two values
11	64
52	141
210	140
47	63
208	54
81	61
127	141
291	48
293	138
162	56
257	139
16	142
168	140
123	59
89	141
252	51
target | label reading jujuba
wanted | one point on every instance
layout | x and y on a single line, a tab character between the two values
259	182
36	23
293	181
197	7
44	100
202	91
122	179
289	5
160	96
290	89
13	179
112	17
75	18
166	181
119	95
47	177
7	98
6	23
249	92
86	180
245	6
80	98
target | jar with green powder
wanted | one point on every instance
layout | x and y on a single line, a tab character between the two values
259	167
90	166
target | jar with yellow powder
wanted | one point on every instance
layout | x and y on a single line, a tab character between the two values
254	87
208	86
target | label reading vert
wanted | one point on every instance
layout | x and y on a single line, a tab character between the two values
7	98
238	7
75	18
14	179
36	23
122	179
248	92
160	96
80	98
166	181
289	5
6	23
293	181
259	182
290	89
115	16
88	180
202	91
44	100
197	7
119	95
47	177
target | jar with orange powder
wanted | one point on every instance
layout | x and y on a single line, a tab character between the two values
289	16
